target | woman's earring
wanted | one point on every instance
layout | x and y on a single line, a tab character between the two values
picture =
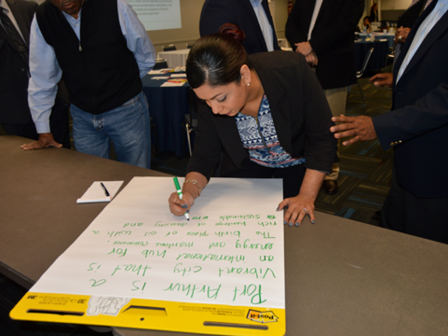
248	84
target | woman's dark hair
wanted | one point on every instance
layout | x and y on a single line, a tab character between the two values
367	17
216	59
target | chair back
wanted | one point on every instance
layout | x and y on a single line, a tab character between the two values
169	47
364	65
189	45
161	63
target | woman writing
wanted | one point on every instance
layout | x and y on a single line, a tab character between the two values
269	115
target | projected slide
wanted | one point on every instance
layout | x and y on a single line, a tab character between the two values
158	14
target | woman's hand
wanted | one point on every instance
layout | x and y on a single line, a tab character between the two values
178	206
298	208
303	204
190	191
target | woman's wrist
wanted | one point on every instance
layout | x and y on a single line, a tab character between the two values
193	187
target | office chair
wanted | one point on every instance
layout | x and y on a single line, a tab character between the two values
361	72
169	47
161	63
390	56
189	45
190	120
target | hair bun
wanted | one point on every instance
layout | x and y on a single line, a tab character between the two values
233	30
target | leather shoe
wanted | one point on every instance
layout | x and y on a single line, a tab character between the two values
331	187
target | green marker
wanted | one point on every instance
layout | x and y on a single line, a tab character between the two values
179	192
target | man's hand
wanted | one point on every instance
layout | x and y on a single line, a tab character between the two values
382	79
360	128
304	48
312	59
401	34
45	140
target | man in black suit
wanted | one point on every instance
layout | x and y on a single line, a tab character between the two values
15	116
417	129
323	31
258	27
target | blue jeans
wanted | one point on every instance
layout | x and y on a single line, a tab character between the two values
127	126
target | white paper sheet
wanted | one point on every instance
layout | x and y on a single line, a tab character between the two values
230	252
159	72
96	193
173	84
179	75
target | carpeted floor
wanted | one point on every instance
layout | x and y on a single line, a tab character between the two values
363	185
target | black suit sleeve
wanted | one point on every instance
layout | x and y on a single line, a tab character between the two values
207	144
428	113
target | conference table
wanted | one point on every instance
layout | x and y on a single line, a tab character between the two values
167	108
377	60
342	277
175	58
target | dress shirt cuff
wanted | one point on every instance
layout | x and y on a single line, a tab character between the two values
42	126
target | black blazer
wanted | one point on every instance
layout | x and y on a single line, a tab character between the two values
13	70
300	112
417	126
332	38
240	12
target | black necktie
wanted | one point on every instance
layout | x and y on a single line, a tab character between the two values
17	40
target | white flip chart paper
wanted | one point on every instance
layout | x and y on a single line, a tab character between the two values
230	252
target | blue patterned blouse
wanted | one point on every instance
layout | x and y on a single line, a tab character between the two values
259	137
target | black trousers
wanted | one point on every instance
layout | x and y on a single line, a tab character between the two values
292	176
422	217
59	125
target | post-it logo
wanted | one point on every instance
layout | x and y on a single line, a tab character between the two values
262	317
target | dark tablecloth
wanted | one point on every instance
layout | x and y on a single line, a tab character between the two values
377	60
167	107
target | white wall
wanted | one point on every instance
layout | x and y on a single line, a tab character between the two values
395	4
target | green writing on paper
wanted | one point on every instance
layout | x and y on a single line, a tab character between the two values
213	257
252	291
170	245
264	234
230	223
97	283
253	246
138	243
132	224
257	272
266	258
93	267
150	233
185	270
160	224
156	253
138	269
136	285
119	251
228	233
173	233
217	244
119	233
191	290
267	223
198	234
199	218
230	217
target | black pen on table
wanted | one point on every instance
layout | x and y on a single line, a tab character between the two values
105	189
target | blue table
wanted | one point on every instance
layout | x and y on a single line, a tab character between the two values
167	107
377	60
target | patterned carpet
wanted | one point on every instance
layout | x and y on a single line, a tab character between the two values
363	185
